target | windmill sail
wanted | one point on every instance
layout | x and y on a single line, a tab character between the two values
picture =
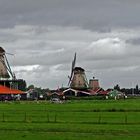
3	68
72	69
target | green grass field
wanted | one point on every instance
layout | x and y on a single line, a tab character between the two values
84	120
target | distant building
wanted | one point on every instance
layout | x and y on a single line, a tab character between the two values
94	84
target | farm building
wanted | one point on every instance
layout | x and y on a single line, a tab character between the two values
32	94
11	94
73	92
116	94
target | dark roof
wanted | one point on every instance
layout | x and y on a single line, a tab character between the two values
79	68
2	50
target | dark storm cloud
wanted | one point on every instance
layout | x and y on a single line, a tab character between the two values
99	15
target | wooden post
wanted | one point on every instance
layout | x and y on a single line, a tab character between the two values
25	117
48	117
3	117
55	118
125	119
99	119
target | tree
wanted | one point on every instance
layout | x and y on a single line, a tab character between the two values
22	85
30	87
117	87
137	89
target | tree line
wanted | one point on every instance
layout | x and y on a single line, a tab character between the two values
132	91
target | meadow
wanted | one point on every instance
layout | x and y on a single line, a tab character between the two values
72	120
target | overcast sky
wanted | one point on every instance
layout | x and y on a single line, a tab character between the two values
43	35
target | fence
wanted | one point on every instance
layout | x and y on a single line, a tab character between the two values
70	117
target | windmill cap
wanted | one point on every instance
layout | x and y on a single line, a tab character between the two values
79	68
2	50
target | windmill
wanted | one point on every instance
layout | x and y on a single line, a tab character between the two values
5	70
77	79
7	77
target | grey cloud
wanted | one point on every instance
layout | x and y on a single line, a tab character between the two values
134	41
91	14
47	33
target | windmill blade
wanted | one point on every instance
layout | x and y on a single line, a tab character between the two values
72	68
70	77
74	61
9	53
8	66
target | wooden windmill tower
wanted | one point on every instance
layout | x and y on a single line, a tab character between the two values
78	79
7	77
5	70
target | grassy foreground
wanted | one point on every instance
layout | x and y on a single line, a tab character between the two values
85	120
